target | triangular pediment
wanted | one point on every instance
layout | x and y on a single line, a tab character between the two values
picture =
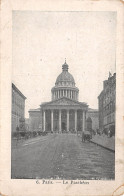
63	102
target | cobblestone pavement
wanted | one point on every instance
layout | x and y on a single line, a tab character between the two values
61	156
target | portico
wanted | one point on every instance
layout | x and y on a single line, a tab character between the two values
64	115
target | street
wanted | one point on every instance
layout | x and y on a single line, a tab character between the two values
61	156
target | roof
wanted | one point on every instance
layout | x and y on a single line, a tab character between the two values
92	110
65	76
17	90
101	94
34	110
64	101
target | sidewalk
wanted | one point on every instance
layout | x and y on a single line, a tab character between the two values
15	143
104	141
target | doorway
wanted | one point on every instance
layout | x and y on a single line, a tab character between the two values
63	127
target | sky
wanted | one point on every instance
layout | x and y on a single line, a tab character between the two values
42	40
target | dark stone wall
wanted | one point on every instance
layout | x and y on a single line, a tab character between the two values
94	115
35	120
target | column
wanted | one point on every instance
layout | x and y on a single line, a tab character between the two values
83	121
67	120
59	121
52	120
77	96
60	93
71	94
74	95
44	120
76	121
66	93
41	121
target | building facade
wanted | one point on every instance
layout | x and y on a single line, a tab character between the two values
92	119
18	107
64	112
106	102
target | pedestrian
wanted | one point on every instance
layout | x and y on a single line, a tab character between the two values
17	128
109	133
83	137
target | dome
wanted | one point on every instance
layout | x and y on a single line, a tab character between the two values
65	76
65	85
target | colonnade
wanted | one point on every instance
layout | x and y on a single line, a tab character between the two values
60	120
72	94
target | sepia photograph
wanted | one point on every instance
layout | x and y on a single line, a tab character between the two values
63	95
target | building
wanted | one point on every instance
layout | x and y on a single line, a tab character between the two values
92	119
64	112
18	107
27	123
106	102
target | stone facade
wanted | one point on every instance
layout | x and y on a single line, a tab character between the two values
64	113
18	107
93	114
27	123
35	119
107	100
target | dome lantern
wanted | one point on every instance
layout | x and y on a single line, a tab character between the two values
65	66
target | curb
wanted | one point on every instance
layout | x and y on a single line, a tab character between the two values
103	146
